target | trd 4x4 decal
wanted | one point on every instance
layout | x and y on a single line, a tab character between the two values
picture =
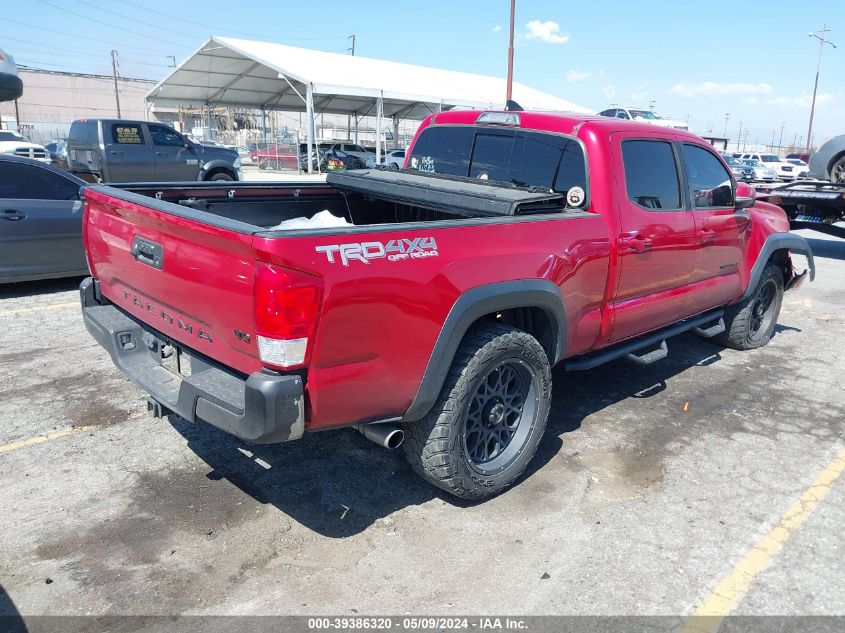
394	250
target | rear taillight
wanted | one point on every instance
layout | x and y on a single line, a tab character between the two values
287	306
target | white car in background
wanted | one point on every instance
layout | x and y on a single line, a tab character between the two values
784	170
391	159
802	168
17	145
643	115
761	171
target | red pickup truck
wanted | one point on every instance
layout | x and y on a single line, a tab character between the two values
510	242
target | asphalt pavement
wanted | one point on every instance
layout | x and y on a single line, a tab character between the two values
711	476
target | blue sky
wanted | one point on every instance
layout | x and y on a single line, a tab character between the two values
698	60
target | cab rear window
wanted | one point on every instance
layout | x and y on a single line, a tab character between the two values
518	157
84	132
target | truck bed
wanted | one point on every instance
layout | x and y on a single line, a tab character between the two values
363	198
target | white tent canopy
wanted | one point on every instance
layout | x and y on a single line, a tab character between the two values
247	73
267	76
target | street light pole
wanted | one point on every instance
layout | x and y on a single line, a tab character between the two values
822	41
727	116
510	55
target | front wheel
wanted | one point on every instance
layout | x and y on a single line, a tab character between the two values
221	176
751	323
837	172
489	418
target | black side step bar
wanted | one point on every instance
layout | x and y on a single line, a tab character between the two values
588	361
709	332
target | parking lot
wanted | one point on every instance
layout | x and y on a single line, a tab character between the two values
652	486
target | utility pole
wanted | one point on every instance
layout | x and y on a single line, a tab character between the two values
772	146
780	141
351	51
509	92
727	116
651	105
739	136
114	76
17	117
822	41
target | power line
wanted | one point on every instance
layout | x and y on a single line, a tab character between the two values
228	30
136	20
41	29
70	53
88	18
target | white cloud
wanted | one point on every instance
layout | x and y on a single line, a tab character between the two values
576	74
497	28
608	92
804	101
548	32
640	93
713	89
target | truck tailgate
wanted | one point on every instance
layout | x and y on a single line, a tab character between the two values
191	281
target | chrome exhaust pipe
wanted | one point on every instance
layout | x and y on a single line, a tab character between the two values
385	434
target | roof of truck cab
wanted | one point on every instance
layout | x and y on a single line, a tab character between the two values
559	122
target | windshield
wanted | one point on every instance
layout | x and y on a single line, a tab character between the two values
11	136
643	114
770	158
733	162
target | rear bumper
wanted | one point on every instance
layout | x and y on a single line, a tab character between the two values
262	408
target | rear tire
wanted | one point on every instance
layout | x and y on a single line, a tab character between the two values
751	323
489	418
222	175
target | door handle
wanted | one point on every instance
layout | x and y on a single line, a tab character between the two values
116	153
161	153
638	243
706	236
12	215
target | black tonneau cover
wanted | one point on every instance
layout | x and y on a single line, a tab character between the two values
461	196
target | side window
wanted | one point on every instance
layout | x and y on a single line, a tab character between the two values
443	150
621	114
491	156
710	182
400	153
651	175
34	183
163	135
127	134
608	113
572	171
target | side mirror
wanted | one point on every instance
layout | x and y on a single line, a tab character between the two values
746	195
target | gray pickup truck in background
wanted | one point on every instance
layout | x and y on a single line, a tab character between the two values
116	150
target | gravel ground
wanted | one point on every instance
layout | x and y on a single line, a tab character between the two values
651	485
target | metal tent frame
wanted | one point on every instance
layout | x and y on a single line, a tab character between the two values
268	76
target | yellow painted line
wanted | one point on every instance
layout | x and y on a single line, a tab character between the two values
40	439
51	306
727	594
